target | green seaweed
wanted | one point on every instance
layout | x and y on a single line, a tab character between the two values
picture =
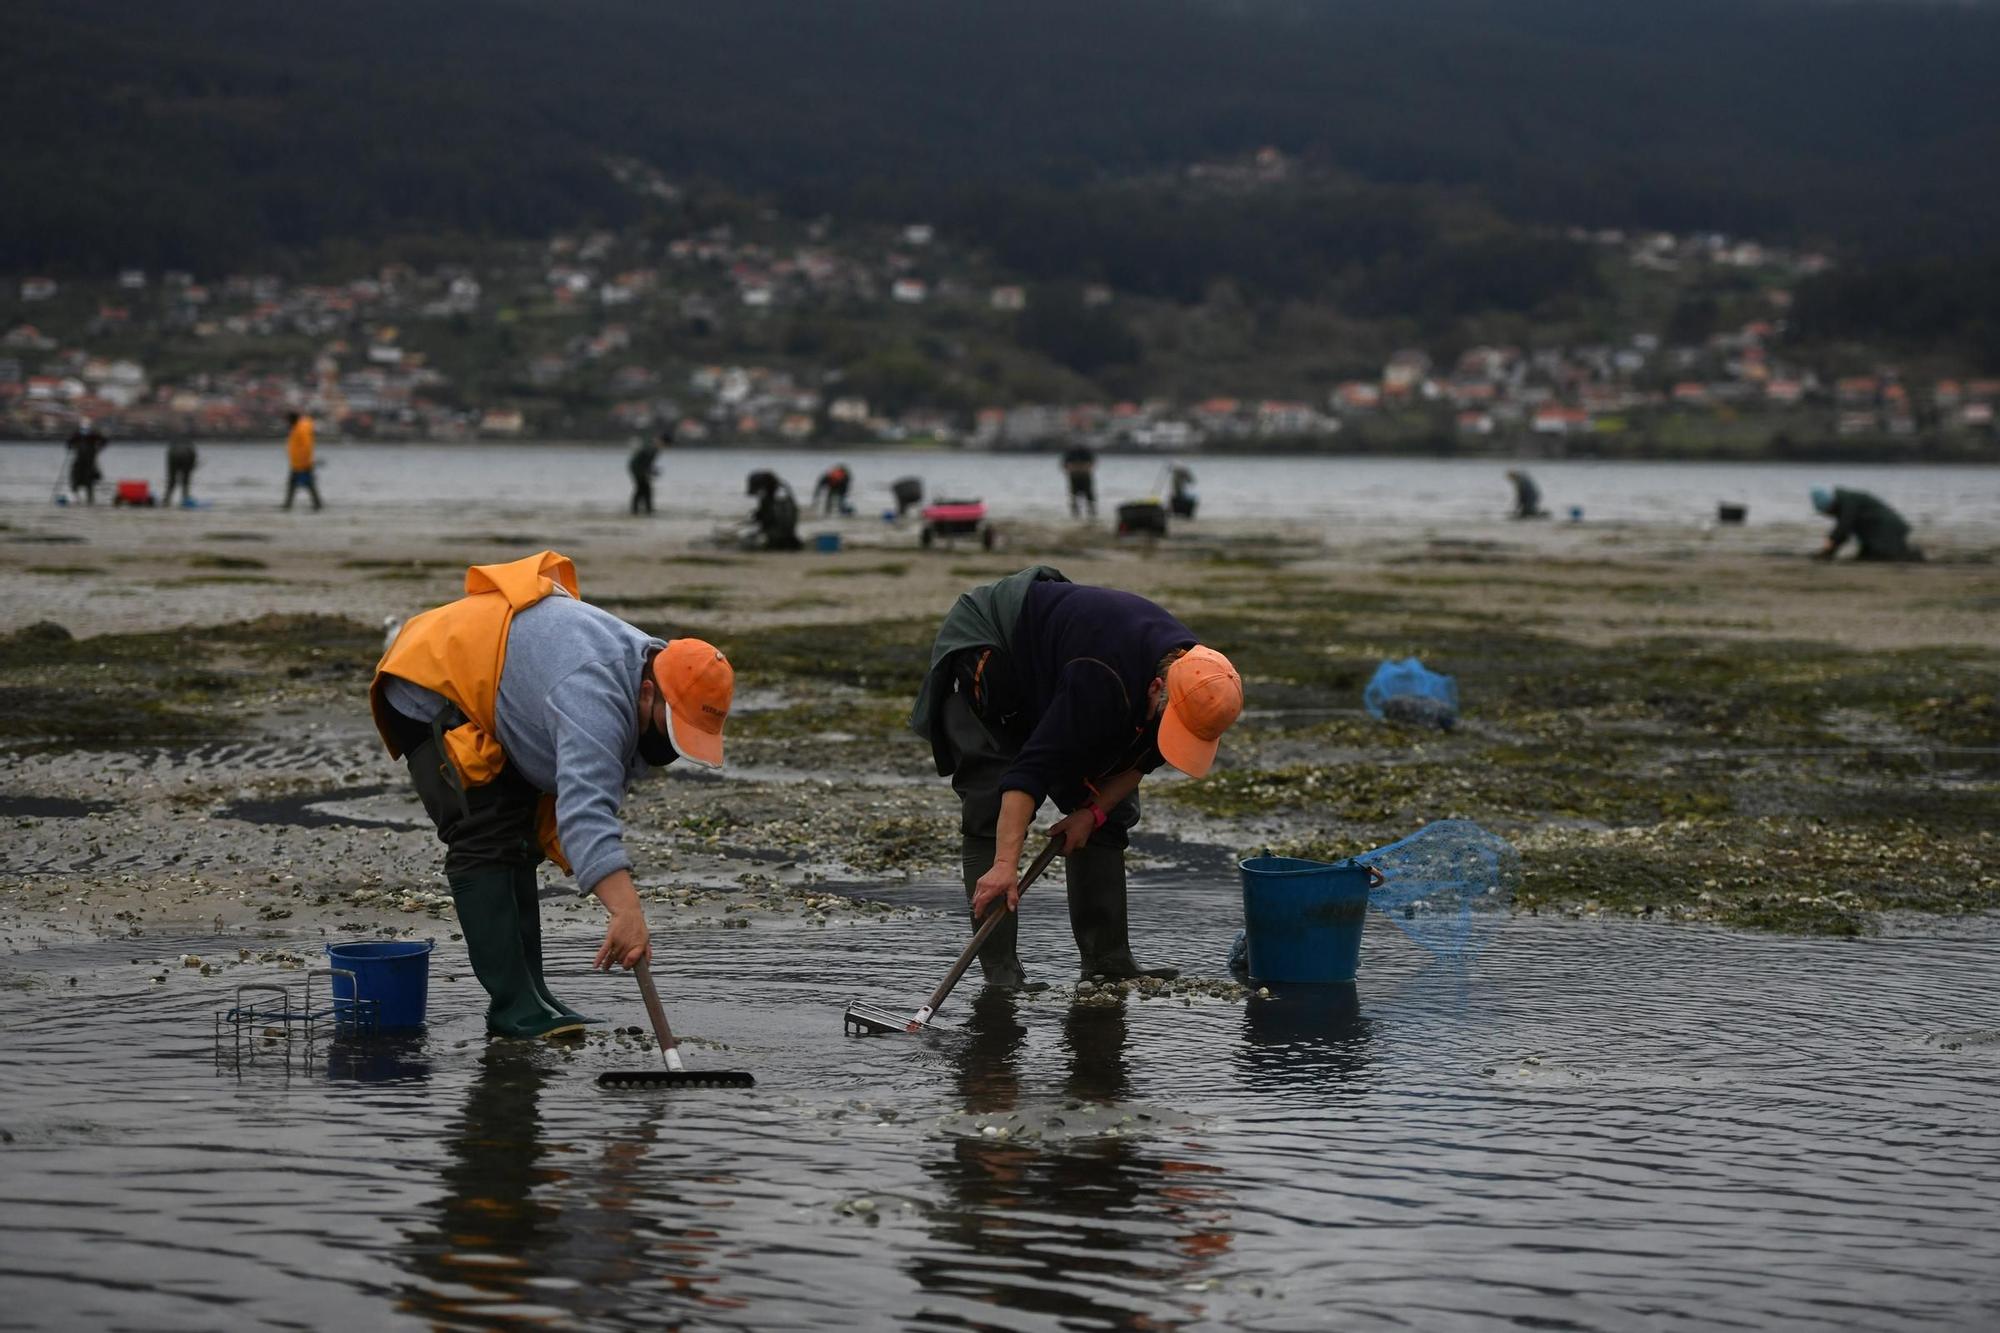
886	568
692	597
881	656
150	687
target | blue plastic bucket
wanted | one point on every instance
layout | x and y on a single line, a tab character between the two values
394	973
1303	918
827	542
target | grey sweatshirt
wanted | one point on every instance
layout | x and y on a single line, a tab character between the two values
568	714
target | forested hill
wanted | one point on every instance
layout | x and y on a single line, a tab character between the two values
201	131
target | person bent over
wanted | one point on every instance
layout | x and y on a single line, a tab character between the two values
1879	532
1040	688
1527	496
524	713
830	491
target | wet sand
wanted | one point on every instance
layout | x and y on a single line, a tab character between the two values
1626	1118
1671	723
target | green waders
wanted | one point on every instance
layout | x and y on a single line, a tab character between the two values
495	932
528	906
1095	872
1097	914
491	851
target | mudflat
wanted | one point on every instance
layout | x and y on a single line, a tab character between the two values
1670	723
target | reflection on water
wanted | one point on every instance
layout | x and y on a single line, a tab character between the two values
1596	1127
487	1234
1033	1234
1306	1037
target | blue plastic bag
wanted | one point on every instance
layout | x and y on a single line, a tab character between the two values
1410	692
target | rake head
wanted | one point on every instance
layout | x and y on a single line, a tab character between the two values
871	1020
643	1079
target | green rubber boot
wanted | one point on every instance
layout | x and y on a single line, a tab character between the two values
528	903
1097	918
999	960
491	922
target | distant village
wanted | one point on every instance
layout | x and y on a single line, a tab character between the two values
568	336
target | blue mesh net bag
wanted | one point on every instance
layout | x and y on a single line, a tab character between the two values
1446	884
1411	693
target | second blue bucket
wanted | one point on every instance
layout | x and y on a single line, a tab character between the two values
395	974
1302	919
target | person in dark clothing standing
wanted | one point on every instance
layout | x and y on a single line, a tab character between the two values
84	446
644	465
1042	689
1527	496
180	471
1879	531
1079	464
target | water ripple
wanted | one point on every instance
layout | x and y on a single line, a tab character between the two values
1593	1127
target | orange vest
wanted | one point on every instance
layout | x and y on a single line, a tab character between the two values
299	445
458	650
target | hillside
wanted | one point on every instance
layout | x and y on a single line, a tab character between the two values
198	133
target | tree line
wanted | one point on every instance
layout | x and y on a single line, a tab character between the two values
209	131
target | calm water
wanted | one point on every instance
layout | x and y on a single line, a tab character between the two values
1603	1127
709	483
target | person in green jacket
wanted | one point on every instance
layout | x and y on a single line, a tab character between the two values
1879	531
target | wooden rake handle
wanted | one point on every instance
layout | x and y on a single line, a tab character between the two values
669	1048
986	929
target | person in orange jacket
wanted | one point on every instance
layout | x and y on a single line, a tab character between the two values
524	713
299	448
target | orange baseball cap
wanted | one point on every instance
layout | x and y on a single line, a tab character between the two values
698	683
1204	697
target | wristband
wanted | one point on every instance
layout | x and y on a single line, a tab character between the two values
1095	813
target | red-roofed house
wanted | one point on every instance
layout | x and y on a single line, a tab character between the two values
1357	396
1558	419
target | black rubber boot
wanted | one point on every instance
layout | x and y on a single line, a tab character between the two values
999	960
1096	878
491	923
528	905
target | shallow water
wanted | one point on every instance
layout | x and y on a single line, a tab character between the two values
709	483
1591	1127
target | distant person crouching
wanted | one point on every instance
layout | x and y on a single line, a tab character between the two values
1527	496
1878	531
775	521
830	491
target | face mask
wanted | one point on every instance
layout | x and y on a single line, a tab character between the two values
656	749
